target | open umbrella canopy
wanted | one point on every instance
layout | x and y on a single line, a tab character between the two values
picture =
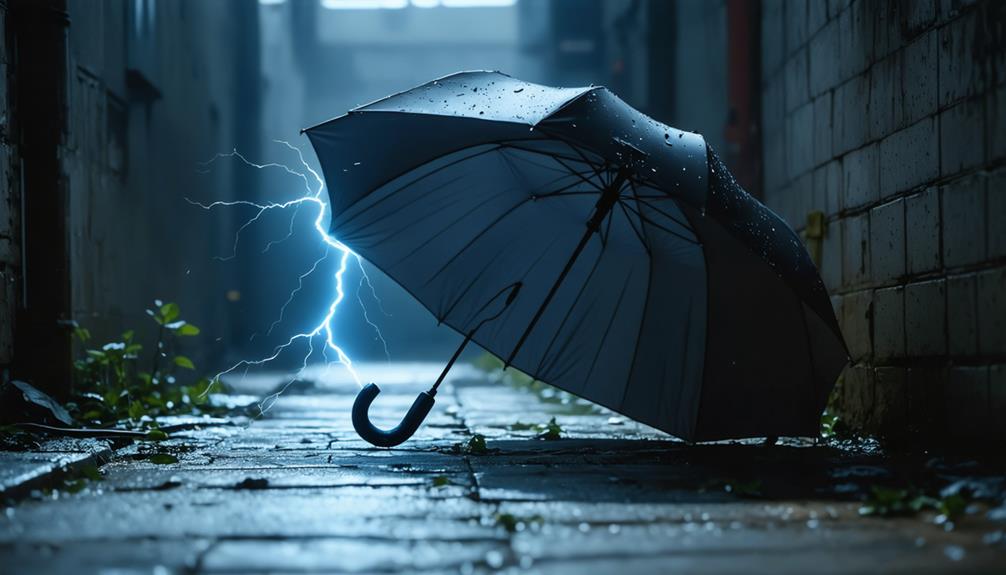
638	274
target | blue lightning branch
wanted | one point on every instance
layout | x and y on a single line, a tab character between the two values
324	329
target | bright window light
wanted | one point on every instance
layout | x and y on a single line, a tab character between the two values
399	4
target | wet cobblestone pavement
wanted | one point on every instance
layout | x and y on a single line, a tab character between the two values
298	491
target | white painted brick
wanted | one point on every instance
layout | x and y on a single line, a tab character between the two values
889	323
963	203
922	231
962	315
861	177
925	318
962	136
887	241
822	129
992	316
855	249
857	309
919	84
909	157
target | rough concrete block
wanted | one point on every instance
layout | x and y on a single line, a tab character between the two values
829	178
886	103
773	41
962	136
926	404
963	203
775	161
800	139
967	402
925	318
992	312
887	241
801	202
822	129
890	400
797	86
962	315
835	7
997	401
922	231
996	199
796	24
995	130
831	256
858	396
958	76
823	55
919	84
850	118
857	315
889	323
887	15
861	177
855	249
918	16
817	16
855	39
909	157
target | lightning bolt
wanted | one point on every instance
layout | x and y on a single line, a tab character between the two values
314	187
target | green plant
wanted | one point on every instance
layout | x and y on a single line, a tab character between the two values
114	386
890	502
476	445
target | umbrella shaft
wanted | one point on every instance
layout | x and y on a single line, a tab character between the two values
601	210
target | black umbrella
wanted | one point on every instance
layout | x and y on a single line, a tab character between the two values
589	246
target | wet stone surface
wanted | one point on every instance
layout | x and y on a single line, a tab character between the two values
297	491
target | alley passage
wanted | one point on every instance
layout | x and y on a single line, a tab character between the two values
297	491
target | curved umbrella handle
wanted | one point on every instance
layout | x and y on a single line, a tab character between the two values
388	438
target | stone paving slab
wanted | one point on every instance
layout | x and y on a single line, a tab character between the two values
295	491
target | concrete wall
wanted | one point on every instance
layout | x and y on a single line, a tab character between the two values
889	118
152	88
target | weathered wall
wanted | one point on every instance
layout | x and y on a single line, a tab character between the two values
152	88
889	118
10	210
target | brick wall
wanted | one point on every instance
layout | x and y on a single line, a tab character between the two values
890	119
10	210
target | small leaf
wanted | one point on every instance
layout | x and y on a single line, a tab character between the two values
136	410
441	481
162	459
182	361
187	329
169	312
156	435
127	336
91	472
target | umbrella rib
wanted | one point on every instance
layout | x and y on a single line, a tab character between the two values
445	228
663	213
420	178
607	330
478	236
634	230
662	228
569	311
639	332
